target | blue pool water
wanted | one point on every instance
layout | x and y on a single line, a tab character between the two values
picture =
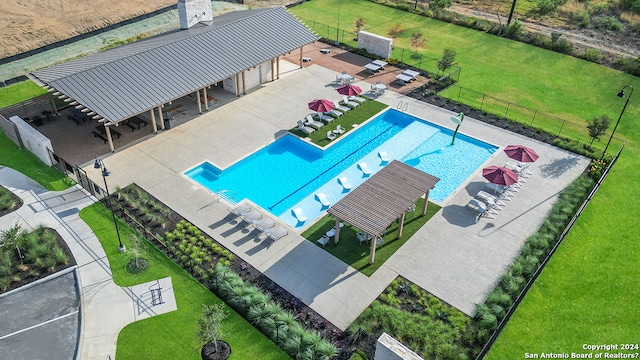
288	172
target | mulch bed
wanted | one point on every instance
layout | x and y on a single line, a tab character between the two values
15	198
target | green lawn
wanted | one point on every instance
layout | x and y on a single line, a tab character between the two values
172	335
21	91
353	117
529	76
24	161
349	249
588	293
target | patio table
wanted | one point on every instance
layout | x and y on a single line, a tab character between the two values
380	63
373	67
404	78
345	78
411	73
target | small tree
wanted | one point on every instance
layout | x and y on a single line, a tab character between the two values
417	42
359	24
210	323
438	5
448	60
137	264
597	127
395	30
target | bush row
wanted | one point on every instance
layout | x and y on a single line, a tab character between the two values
532	254
280	325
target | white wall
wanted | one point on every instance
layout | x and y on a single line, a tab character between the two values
375	44
252	78
33	140
388	348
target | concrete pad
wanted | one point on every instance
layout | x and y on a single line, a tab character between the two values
153	298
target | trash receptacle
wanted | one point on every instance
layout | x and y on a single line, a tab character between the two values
167	124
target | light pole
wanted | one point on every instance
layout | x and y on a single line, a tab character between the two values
98	164
621	95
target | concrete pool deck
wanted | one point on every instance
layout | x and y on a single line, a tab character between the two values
452	256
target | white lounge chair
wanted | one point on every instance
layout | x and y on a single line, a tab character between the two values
252	217
313	123
240	210
351	104
482	209
337	106
278	233
364	167
334	113
490	200
324	240
500	189
323	117
265	224
339	130
331	135
384	156
521	169
324	200
304	128
358	99
344	181
299	214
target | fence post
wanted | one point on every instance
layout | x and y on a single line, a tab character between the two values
505	113
534	117
561	126
402	55
482	103
459	91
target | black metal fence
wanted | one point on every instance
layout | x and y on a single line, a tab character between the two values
523	293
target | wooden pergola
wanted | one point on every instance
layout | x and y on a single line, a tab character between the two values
379	201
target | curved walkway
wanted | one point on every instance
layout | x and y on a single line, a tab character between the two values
105	307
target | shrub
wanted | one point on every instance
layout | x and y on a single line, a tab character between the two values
596	169
594	55
610	23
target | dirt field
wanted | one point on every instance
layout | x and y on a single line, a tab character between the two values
30	24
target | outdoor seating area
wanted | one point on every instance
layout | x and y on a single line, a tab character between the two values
375	66
246	217
407	76
503	182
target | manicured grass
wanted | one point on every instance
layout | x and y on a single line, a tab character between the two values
21	91
529	76
172	335
355	116
24	161
355	254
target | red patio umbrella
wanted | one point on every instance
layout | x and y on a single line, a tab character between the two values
321	105
349	90
500	175
521	153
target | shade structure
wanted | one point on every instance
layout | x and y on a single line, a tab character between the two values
500	175
349	90
321	105
521	153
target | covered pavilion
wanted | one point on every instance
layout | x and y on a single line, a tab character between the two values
236	51
379	201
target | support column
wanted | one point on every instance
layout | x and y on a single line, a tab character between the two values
153	120
300	60
337	235
108	131
161	117
372	254
277	67
401	224
273	70
426	202
198	100
206	98
237	85
244	83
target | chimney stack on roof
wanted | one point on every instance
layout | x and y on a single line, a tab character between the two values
192	12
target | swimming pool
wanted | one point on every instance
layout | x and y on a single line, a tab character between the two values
289	172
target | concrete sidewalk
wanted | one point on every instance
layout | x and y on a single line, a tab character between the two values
105	307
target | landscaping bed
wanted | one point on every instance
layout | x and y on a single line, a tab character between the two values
9	201
27	257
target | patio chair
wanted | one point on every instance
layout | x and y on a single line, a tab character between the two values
364	167
313	123
502	190
339	130
344	181
240	210
490	200
520	168
278	233
334	113
299	214
265	224
337	106
482	209
351	104
322	117
362	237
324	200
302	127
384	156
324	240
331	135
358	99
252	217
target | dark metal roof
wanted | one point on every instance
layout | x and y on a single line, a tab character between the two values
379	201
130	79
